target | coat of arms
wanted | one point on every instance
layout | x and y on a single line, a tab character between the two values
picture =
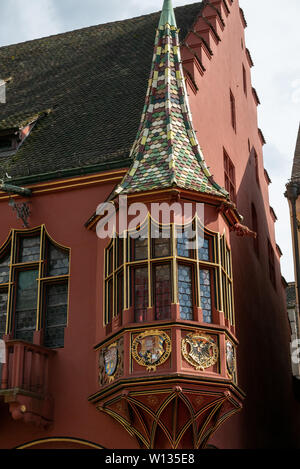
111	362
230	358
200	350
151	349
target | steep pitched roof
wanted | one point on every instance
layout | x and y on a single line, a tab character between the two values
296	164
166	152
93	83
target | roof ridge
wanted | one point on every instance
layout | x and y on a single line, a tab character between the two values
84	28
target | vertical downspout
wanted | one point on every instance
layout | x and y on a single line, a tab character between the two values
292	195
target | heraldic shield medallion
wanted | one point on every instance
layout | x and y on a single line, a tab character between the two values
151	349
111	359
200	350
230	358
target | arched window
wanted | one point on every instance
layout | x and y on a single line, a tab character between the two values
34	281
165	265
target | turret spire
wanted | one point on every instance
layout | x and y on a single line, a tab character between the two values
167	14
166	152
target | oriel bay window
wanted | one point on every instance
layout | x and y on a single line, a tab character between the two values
34	284
160	266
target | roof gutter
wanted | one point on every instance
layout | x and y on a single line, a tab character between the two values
11	189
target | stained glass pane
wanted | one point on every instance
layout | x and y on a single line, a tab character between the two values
161	241
58	261
29	249
4	268
120	293
3	312
185	292
185	242
203	250
140	249
205	289
110	265
140	293
120	251
162	291
110	292
56	314
26	304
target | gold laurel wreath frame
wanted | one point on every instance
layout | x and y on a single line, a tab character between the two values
162	359
210	362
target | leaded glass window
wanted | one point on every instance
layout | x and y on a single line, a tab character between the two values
185	241
4	269
29	249
203	249
140	248
56	299
147	275
26	305
34	279
3	311
205	291
162	291
185	291
141	293
161	241
58	261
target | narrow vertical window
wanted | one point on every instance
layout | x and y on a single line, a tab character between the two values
205	290
26	305
185	241
233	110
140	293
244	80
185	291
3	311
229	177
255	229
140	248
120	293
110	301
56	298
162	291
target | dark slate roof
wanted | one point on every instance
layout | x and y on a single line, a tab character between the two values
86	88
296	164
291	295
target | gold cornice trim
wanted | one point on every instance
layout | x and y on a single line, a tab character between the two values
70	184
210	329
61	440
166	379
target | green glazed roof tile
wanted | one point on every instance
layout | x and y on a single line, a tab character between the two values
166	140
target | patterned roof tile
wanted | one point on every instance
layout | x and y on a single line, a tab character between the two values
166	152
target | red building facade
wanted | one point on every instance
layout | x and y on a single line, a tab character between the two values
140	342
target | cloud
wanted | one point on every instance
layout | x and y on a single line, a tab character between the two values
22	22
296	92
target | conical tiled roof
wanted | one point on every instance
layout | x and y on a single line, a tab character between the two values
166	152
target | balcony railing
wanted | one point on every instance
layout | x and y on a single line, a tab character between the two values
26	368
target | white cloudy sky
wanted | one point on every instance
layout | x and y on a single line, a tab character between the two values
274	42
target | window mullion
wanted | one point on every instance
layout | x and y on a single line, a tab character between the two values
174	263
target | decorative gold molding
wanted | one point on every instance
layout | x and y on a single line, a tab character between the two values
157	355
200	350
